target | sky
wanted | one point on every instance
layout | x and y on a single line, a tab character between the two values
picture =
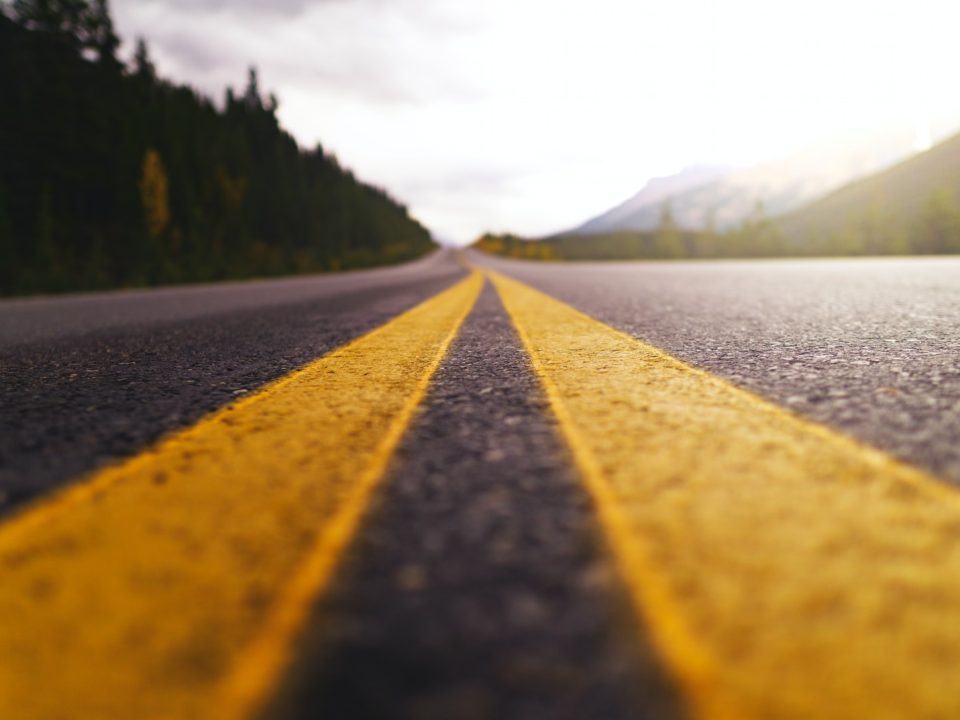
532	115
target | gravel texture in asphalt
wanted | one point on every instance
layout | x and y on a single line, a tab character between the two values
477	586
131	366
867	346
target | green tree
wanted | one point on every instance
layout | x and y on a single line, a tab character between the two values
49	255
50	16
98	34
87	24
89	200
757	235
251	95
939	224
705	242
8	250
877	229
143	66
668	242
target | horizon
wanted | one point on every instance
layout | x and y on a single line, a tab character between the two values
521	119
504	118
498	118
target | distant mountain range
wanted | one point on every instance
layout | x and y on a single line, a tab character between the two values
641	211
731	195
910	207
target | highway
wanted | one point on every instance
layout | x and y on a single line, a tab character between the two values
472	488
90	378
868	346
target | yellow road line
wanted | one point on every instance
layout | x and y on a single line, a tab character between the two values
170	586
783	570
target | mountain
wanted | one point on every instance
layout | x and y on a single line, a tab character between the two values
909	208
731	196
913	204
647	202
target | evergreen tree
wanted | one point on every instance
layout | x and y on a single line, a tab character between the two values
875	228
704	244
49	260
98	35
668	242
86	24
8	251
143	66
939	226
251	96
50	16
151	182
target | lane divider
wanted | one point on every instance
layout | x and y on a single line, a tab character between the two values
782	570
172	585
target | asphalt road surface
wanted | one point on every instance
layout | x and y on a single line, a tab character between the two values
88	379
557	520
868	346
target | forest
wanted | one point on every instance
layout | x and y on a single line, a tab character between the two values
756	237
111	176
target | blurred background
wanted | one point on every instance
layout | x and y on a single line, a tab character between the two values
156	141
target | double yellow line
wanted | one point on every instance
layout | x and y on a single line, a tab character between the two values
781	570
171	585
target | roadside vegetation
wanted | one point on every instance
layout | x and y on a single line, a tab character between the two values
111	176
912	208
933	230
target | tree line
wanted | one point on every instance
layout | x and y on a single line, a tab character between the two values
112	176
933	230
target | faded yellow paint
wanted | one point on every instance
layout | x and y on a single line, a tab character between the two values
783	571
171	585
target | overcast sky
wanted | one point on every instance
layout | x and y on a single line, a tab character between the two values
531	115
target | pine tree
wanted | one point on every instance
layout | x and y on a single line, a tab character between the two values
98	35
940	223
251	95
48	254
706	241
759	236
143	66
876	227
89	154
668	242
8	251
50	16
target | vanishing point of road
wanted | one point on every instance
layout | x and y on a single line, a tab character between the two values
469	487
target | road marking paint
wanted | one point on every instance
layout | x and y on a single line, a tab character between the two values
170	586
783	570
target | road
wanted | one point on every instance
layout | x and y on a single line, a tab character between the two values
866	346
506	501
91	378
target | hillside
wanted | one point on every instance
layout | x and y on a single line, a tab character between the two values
911	207
111	176
725	198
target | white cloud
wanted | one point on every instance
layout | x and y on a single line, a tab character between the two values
531	115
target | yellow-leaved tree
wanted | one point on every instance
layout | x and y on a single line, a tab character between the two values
153	194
